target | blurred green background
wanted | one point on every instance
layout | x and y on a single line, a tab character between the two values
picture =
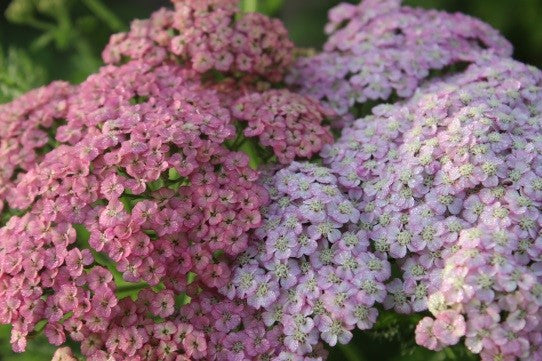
44	40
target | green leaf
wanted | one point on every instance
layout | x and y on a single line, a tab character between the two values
157	184
103	13
43	40
19	11
249	6
18	74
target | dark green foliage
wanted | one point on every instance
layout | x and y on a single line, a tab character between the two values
18	73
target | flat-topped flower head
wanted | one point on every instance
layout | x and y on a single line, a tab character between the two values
446	186
379	49
311	260
207	35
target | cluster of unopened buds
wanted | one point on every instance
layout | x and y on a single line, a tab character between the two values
133	220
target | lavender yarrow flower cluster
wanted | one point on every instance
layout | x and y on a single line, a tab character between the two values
379	47
289	123
208	34
24	125
449	186
148	177
310	267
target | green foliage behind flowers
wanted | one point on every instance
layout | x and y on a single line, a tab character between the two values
69	27
63	37
39	349
18	73
391	340
269	7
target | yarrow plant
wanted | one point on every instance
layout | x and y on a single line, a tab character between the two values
245	55
379	48
154	186
207	35
134	223
310	267
448	186
134	177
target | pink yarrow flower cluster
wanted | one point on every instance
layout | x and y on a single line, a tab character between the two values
160	195
211	328
289	123
235	330
449	187
24	126
310	267
379	48
208	34
239	56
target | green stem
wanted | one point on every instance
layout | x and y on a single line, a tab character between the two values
38	24
238	143
131	287
249	6
102	12
40	326
239	139
64	34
